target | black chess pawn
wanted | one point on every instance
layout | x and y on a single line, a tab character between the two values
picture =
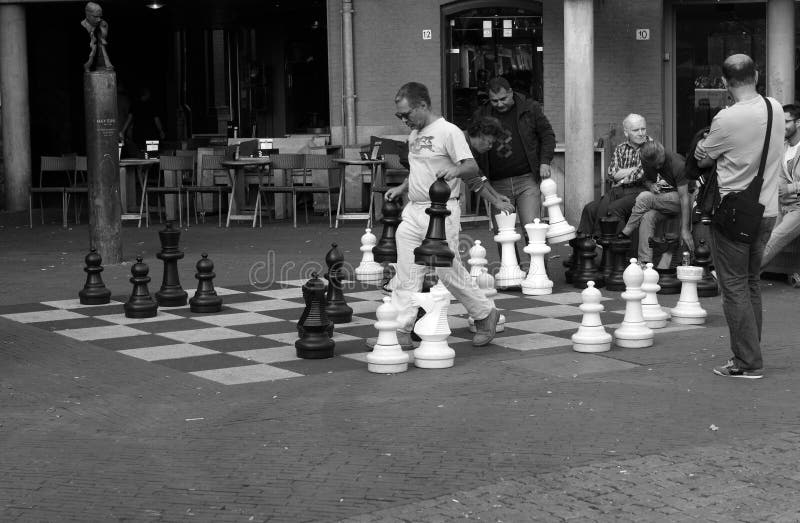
608	231
385	251
171	293
314	326
94	291
571	263
205	298
707	286
619	252
667	263
140	304
336	309
434	251
586	269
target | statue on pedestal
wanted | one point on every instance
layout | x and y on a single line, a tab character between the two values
98	39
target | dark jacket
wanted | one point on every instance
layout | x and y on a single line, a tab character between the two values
534	129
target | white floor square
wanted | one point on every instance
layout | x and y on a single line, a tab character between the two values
74	304
168	352
237	318
210	334
553	311
290	292
121	319
100	333
358	321
222	291
543	325
246	374
265	305
361	307
270	355
530	341
373	295
38	316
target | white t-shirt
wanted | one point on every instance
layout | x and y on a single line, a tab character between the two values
736	140
431	149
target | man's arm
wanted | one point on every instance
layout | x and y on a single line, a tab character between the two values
157	121
394	192
465	169
686	216
496	199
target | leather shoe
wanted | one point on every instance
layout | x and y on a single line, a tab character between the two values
486	329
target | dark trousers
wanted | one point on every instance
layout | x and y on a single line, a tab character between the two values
617	202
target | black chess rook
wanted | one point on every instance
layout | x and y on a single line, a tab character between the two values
205	298
94	291
608	231
140	304
171	293
314	327
434	251
336	309
668	260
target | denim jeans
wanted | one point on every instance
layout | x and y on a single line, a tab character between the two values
782	235
617	201
648	211
524	194
738	268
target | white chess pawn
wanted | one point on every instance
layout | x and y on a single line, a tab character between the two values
688	310
433	351
368	271
387	357
633	333
591	336
654	316
509	275
477	259
559	230
485	283
537	283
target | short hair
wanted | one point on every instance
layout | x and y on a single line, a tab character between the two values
739	70
92	7
414	93
499	83
652	154
792	109
627	122
486	125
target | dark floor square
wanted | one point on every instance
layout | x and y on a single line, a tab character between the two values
183	324
133	342
77	323
323	366
212	361
25	307
237	344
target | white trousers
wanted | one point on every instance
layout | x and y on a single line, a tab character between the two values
409	276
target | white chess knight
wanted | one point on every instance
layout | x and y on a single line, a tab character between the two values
559	230
387	357
485	282
654	316
477	259
368	271
537	283
591	336
509	275
688	310
433	351
633	333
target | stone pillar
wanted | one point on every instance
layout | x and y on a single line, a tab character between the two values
780	50
16	108
349	73
578	106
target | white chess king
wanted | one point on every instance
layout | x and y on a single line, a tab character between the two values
368	271
559	230
509	275
537	283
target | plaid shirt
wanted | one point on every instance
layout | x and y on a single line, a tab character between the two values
625	156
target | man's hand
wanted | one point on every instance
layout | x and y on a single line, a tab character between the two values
653	188
688	240
503	203
450	173
544	171
393	192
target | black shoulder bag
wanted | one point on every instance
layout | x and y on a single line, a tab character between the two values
738	215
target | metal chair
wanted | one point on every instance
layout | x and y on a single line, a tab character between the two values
211	162
288	164
80	185
52	164
323	162
183	167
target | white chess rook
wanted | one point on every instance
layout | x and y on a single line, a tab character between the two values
688	310
477	259
634	332
387	357
433	351
654	316
537	283
369	271
485	282
559	230
509	275
591	336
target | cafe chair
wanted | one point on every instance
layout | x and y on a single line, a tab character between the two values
61	168
329	185
210	163
287	165
468	214
181	168
79	186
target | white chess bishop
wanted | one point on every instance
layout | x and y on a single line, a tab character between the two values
433	351
654	316
387	357
509	275
537	283
633	333
477	259
591	336
485	282
559	230
368	271
688	310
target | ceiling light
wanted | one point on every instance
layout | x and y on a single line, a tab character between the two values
155	5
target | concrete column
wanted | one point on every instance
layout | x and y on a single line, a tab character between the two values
780	50
578	106
15	105
349	72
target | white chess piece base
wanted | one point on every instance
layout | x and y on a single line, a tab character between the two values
591	339
434	355
387	360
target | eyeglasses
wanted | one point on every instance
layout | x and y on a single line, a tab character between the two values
791	120
405	115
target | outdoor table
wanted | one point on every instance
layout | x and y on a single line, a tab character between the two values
375	166
141	166
236	198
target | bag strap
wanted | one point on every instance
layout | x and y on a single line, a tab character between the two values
755	186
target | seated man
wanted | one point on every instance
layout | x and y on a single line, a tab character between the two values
667	194
789	192
624	174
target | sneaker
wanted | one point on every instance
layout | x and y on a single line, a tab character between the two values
486	329
729	370
794	280
403	338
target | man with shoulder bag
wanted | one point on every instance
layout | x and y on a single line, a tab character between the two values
746	141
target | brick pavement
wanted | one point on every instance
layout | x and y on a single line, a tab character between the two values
88	435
